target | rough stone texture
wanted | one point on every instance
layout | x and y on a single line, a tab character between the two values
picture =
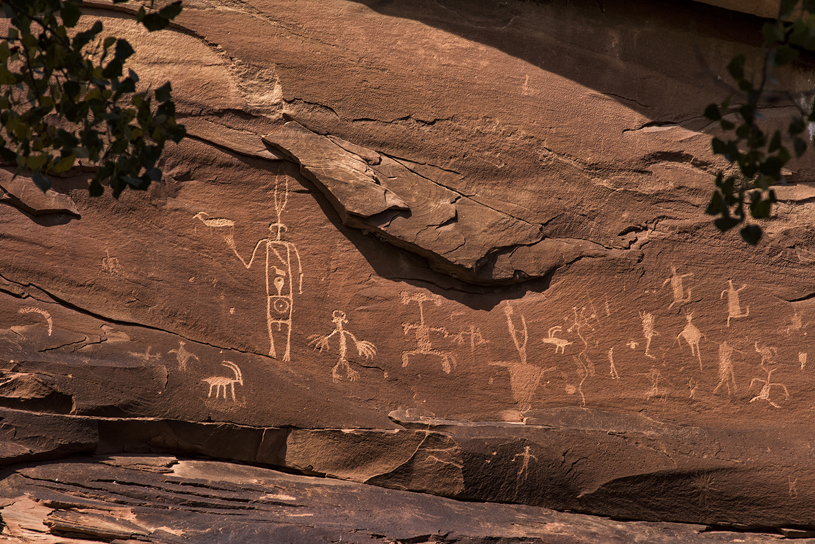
454	247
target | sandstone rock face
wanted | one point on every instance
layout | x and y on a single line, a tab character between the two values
452	247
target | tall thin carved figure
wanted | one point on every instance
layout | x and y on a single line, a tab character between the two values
364	348
280	260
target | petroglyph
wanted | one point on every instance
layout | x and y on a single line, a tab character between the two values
44	313
655	391
796	324
703	485
112	335
146	356
793	487
281	256
559	343
472	336
676	286
692	336
110	265
583	372
364	348
692	386
734	310
612	369
523	377
183	356
648	331
764	394
726	375
221	383
633	344
768	355
423	330
526	456
802	358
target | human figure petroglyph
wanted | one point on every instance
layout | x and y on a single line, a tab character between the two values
692	336
768	355
613	369
559	343
472	336
802	358
523	377
526	456
183	356
423	342
648	331
633	344
221	383
655	376
44	313
796	324
281	257
764	394
733	303
110	265
676	286
692	386
793	487
364	348
146	356
726	375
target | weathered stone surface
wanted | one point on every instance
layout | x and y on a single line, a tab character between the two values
533	292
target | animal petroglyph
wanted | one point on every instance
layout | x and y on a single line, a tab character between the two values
726	375
612	369
523	377
110	265
221	383
423	330
364	348
146	356
692	336
768	355
526	456
734	310
281	257
559	343
183	356
648	331
44	313
764	394
676	286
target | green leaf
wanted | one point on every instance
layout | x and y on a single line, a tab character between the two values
6	77
163	92
725	223
727	125
773	32
171	11
4	51
797	126
712	112
775	142
70	14
41	181
736	67
719	147
751	234
785	55
785	8
716	204
761	209
154	21
800	146
123	50
110	40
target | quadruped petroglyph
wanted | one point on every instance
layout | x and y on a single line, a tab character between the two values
559	343
281	258
221	383
523	377
321	342
424	346
44	313
676	286
734	310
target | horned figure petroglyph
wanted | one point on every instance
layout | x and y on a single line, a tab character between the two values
764	394
44	313
648	330
183	356
726	375
364	348
677	287
692	336
523	377
423	342
559	343
280	259
220	383
768	355
733	303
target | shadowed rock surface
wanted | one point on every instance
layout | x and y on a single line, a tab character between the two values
440	247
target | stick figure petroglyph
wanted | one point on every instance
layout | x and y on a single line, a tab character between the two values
183	356
692	336
146	356
44	313
220	383
655	375
364	348
280	258
677	287
423	342
793	487
526	456
613	369
559	343
648	330
764	394
472	336
733	303
523	377
110	265
726	376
